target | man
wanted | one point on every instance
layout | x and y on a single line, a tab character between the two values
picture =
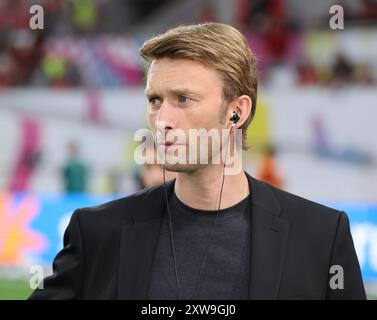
164	242
75	171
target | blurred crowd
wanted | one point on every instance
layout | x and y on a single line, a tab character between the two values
24	53
341	72
91	43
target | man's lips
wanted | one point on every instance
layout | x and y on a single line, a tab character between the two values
169	144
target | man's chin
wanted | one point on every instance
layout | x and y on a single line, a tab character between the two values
182	167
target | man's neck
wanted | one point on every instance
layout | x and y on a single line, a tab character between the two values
201	189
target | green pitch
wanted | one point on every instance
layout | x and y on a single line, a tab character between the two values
19	290
14	289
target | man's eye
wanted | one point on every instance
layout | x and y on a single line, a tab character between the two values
153	101
183	99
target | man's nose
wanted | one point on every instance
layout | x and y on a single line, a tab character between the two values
165	119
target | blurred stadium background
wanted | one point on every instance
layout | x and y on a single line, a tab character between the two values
71	98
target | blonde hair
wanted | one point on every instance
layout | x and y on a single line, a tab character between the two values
216	45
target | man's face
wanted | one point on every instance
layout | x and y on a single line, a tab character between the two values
183	94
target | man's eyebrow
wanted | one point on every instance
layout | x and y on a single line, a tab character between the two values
184	91
148	92
174	91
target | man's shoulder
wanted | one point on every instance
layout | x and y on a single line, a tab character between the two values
290	206
295	207
307	219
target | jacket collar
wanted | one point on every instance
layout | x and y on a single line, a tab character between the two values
269	235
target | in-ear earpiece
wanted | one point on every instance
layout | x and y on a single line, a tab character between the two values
235	117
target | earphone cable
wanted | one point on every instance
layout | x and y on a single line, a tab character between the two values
171	236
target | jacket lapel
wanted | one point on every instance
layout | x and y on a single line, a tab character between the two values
269	234
137	244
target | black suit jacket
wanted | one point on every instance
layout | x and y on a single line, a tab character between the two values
108	249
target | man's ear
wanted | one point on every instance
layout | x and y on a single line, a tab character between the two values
242	106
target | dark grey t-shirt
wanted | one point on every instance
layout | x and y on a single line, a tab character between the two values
226	272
